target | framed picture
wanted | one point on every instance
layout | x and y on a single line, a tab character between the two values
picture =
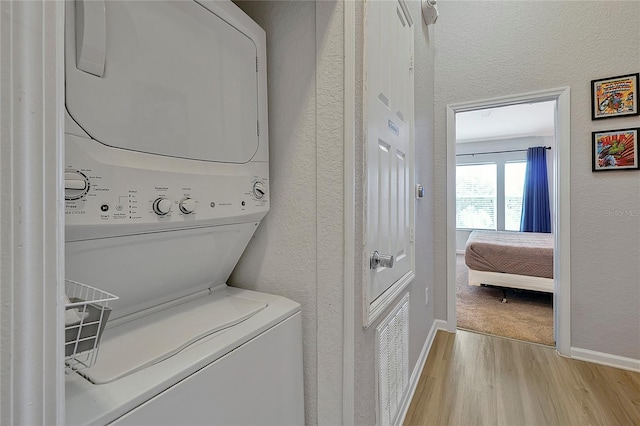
615	150
614	97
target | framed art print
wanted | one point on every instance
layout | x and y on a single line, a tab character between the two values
615	150
614	97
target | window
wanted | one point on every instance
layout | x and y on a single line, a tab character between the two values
513	191
489	196
476	192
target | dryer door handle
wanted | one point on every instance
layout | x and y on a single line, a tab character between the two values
91	36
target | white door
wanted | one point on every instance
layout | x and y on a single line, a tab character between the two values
389	131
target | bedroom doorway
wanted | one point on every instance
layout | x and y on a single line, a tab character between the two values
487	144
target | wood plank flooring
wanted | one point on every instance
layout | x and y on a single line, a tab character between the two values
475	379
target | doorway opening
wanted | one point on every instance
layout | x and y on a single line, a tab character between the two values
504	276
487	144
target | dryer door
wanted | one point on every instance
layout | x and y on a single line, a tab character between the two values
167	78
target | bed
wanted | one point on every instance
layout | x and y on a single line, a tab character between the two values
522	260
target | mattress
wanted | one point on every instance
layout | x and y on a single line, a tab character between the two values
519	253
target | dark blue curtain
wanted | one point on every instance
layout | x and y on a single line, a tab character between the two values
536	214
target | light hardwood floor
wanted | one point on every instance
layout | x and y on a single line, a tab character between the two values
475	379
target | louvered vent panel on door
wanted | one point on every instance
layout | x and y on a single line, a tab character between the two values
392	351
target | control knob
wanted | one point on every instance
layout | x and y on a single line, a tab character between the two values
259	189
76	185
162	206
187	205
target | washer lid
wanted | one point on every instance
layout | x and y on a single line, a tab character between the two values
167	78
134	345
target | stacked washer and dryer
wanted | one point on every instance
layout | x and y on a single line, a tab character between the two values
166	181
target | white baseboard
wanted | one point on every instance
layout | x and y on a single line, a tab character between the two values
415	375
609	360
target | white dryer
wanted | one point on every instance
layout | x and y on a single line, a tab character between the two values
166	181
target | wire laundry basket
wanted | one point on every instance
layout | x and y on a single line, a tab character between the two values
86	315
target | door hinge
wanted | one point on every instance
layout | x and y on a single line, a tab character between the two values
258	128
411	63
411	235
256	64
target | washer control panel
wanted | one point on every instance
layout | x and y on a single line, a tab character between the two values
259	189
162	206
76	185
98	192
187	205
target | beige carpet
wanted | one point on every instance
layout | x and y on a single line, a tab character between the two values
526	316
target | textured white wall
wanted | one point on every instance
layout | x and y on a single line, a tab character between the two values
490	49
330	211
420	316
298	249
281	258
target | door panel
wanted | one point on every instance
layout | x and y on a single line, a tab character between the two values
389	122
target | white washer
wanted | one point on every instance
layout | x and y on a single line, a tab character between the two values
248	374
166	181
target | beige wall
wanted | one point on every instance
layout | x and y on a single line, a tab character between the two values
490	49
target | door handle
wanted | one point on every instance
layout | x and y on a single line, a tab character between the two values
91	36
384	260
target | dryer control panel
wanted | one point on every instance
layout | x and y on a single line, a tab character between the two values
150	192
